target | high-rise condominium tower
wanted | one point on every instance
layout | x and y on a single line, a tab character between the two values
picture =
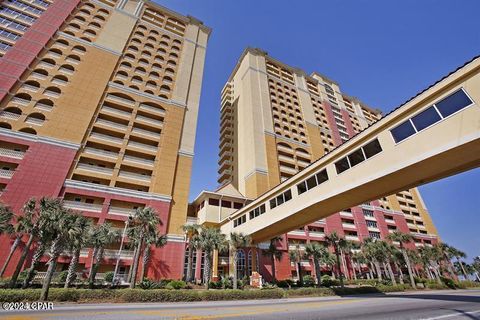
276	120
99	103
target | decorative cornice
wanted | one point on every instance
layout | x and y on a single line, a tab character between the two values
41	139
117	191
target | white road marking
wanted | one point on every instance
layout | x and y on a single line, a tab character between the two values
452	315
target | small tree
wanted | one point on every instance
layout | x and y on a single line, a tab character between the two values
237	240
296	256
99	237
334	240
316	252
82	225
209	240
190	230
402	239
274	253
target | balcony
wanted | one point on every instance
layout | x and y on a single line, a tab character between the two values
146	133
389	221
348	225
138	160
111	124
346	214
113	254
116	111
94	168
43	106
149	120
121	211
106	137
136	176
191	221
99	152
322	221
120	100
352	238
411	225
6	174
142	146
152	109
9	115
35	121
316	234
82	206
11	153
297	233
296	247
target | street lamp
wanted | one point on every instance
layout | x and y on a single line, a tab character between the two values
121	247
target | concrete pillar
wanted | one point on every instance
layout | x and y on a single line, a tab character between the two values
215	265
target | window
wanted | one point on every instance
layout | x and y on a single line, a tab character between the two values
239	221
280	199
226	204
356	157
372	224
374	234
213	202
447	106
237	205
257	211
367	213
426	118
312	182
453	103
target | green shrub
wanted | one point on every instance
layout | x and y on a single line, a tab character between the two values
328	281
215	284
467	284
435	285
108	277
308	281
22	275
146	284
316	292
176	284
62	276
288	283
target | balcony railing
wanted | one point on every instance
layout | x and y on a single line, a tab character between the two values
389	221
149	120
138	160
115	111
121	211
112	254
111	124
346	214
352	238
348	225
297	233
316	234
146	132
121	100
142	146
9	115
136	176
108	154
6	174
152	109
77	205
94	168
106	137
11	153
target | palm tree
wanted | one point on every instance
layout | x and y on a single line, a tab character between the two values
371	252
63	224
34	214
144	225
209	239
476	266
336	241
151	239
6	216
459	255
430	257
6	226
190	230
99	237
317	253
448	255
296	256
83	225
402	239
274	253
237	240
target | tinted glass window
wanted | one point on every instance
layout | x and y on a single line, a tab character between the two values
301	187
342	165
322	176
213	202
273	203
311	182
372	148
426	118
279	199
262	209
453	103
237	205
403	131
356	157
288	195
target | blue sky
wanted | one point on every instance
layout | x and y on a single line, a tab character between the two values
382	52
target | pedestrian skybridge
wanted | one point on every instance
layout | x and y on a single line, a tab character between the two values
433	135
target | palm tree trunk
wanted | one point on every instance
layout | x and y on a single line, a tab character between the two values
462	267
318	272
354	264
344	265
450	268
52	264
96	264
370	270
189	274
234	257
136	261
14	246
273	268
39	252
397	267
129	277
146	258
21	261
206	269
409	268
392	275
338	266
72	267
378	269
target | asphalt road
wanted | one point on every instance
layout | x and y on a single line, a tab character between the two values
433	305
